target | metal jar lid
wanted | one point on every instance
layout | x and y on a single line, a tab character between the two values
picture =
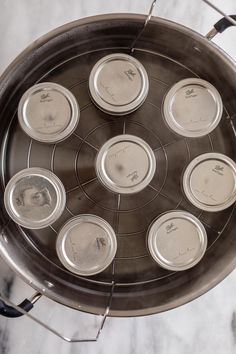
193	107
48	112
118	84
125	164
209	182
34	198
177	240
86	244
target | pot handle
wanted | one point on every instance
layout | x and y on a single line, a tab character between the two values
26	305
220	27
223	24
9	309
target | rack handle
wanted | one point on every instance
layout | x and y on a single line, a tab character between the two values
9	306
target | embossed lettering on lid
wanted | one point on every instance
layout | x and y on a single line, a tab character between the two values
125	164
86	244
193	107
118	84
209	182
48	112
177	240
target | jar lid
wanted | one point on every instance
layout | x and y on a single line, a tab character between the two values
34	198
209	182
177	240
118	84
86	244
125	164
193	107
48	112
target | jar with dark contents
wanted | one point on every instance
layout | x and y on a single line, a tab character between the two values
34	198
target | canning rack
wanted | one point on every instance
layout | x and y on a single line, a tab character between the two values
105	314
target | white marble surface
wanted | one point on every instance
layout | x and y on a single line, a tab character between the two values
208	324
22	21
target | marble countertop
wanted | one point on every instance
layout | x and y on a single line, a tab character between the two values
206	325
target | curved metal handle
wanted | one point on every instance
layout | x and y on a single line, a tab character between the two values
9	305
220	27
148	18
12	312
217	9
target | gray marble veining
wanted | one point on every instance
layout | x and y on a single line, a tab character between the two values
206	325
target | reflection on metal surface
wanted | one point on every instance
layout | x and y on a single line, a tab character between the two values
211	34
35	297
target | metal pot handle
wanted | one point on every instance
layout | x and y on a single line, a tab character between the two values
9	309
220	27
10	312
26	305
223	24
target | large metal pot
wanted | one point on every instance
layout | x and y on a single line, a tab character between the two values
135	284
